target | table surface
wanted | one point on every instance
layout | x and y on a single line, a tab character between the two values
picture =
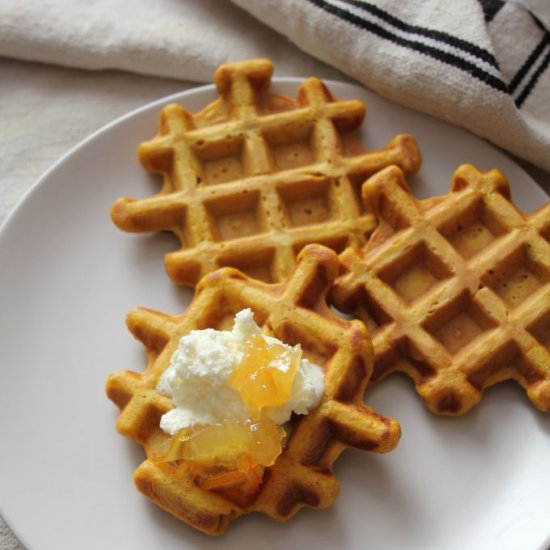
45	110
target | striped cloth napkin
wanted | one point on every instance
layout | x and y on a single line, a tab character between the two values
480	64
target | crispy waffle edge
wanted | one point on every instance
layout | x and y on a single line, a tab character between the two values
295	311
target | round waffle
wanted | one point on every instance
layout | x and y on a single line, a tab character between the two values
455	290
254	177
296	312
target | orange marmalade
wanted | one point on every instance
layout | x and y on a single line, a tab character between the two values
232	392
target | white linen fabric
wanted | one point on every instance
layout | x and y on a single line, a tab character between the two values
184	39
480	64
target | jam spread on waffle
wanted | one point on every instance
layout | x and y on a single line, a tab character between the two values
234	452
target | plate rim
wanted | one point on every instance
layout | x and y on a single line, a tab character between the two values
44	177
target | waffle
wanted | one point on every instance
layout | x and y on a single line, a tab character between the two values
254	177
455	290
296	312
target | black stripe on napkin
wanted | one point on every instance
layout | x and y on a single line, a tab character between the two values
520	100
491	8
445	57
529	62
440	36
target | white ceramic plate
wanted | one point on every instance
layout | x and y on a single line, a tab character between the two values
67	279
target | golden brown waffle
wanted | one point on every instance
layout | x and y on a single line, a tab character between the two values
454	290
254	177
297	313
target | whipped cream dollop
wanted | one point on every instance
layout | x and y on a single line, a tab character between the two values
197	379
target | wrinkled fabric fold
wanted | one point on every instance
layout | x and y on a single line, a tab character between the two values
479	64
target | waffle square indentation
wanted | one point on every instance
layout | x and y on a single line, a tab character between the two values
307	203
291	146
314	348
540	330
458	323
221	160
234	217
350	145
415	272
473	229
257	264
368	309
517	277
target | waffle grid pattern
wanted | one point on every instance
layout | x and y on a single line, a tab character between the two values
455	290
254	177
295	311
